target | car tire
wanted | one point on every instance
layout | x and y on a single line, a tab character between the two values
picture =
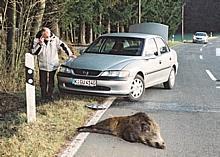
171	81
137	88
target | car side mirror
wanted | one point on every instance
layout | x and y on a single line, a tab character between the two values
81	51
156	53
163	49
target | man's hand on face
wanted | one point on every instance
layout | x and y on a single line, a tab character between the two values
45	36
41	40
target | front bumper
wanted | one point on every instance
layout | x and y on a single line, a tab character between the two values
200	40
105	86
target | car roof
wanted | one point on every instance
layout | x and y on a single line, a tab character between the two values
135	35
201	32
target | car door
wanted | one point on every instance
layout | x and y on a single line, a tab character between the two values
165	59
152	63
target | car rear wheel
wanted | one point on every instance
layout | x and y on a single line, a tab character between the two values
137	88
171	81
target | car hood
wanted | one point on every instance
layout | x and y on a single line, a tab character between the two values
100	62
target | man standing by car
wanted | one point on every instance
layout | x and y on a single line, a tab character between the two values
46	46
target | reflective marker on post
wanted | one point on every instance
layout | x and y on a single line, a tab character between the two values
30	88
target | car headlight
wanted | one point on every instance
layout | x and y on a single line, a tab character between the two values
116	73
65	70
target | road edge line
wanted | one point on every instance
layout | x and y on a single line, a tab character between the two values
211	75
201	57
76	143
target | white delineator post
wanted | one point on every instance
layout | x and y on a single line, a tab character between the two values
217	52
217	80
30	88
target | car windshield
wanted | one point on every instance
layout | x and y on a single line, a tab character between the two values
128	46
200	34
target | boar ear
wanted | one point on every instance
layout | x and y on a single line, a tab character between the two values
145	127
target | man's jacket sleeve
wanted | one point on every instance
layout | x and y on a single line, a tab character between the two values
64	47
36	47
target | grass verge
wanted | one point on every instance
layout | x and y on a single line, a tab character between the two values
173	43
55	126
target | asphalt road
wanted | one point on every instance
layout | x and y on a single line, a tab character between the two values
188	115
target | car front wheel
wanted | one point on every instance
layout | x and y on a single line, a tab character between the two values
171	81
137	88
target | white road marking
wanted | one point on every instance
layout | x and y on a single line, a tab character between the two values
201	57
200	49
80	138
217	52
211	75
218	84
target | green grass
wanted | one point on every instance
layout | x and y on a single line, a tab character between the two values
55	126
178	37
173	43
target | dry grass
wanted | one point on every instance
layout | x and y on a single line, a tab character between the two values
56	124
56	121
13	81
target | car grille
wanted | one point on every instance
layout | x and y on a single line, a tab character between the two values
86	72
100	88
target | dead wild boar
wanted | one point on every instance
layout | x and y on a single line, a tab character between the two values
135	128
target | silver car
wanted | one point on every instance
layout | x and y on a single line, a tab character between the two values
121	64
200	37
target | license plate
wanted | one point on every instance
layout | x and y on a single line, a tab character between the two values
83	82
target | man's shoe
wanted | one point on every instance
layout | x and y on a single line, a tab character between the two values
50	98
44	100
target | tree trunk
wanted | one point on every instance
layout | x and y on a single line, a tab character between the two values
3	9
1	18
71	33
55	27
122	28
109	26
67	36
118	27
11	24
82	32
90	34
37	21
74	35
95	36
100	24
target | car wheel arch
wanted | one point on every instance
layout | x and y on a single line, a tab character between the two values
169	84
174	67
141	74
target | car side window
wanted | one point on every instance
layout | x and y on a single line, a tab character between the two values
151	48
162	46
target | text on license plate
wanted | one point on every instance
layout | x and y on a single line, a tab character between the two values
83	82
